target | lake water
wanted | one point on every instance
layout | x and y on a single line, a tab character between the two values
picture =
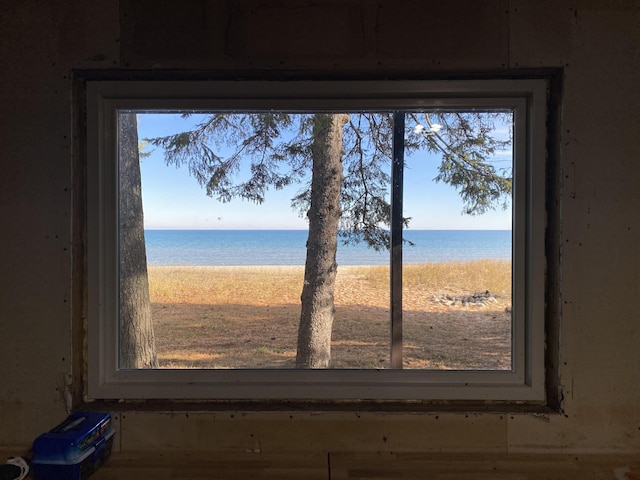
287	247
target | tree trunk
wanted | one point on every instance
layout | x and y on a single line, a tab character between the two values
137	342
316	317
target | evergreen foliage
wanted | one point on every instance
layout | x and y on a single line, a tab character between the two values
278	146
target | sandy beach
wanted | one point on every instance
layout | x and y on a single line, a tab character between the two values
247	317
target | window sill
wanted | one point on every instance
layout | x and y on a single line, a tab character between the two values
319	406
322	465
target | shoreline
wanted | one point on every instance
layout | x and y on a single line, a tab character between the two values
363	265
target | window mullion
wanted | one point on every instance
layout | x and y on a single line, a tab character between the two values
397	170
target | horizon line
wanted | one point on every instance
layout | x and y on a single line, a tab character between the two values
194	229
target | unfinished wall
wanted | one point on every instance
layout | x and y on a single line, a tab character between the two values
596	43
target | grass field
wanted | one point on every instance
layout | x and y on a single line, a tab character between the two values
247	317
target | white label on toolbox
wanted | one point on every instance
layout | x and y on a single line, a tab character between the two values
73	424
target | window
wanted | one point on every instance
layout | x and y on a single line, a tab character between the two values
183	306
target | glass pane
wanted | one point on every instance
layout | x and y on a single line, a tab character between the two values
214	235
223	215
457	280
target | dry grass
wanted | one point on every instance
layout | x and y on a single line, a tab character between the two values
247	317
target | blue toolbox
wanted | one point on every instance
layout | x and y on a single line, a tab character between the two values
74	449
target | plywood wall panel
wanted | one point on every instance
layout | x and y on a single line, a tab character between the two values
291	432
595	43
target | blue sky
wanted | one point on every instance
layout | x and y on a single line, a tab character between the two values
172	199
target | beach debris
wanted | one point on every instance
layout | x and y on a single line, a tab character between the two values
478	299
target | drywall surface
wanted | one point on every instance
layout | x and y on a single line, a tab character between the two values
594	202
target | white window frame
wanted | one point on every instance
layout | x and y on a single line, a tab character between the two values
524	383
